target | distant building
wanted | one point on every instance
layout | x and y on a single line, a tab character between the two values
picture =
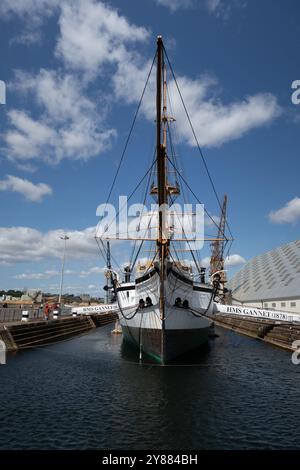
85	297
32	295
7	297
270	280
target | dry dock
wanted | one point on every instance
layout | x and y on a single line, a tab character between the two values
21	335
281	334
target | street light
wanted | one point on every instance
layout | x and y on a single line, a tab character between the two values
65	238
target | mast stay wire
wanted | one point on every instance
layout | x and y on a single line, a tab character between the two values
176	170
182	187
178	163
144	200
123	155
191	251
196	140
197	199
127	142
130	131
193	193
115	217
149	171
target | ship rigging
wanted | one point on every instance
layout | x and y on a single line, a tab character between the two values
167	304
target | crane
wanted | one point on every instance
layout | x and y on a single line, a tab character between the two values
217	246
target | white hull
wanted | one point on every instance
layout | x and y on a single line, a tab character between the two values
184	329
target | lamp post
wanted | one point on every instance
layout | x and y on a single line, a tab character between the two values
65	238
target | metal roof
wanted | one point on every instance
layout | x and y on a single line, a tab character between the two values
272	275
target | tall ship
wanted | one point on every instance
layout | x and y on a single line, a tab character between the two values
165	305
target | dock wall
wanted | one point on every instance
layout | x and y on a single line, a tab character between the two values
281	334
35	333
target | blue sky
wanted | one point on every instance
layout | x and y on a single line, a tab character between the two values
74	71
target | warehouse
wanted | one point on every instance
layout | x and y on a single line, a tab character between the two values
270	280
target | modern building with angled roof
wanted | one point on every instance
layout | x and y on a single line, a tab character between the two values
270	280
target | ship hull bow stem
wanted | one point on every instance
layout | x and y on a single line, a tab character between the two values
176	342
186	323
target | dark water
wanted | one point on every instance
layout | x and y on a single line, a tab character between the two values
89	393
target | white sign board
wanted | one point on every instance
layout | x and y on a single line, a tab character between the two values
95	309
256	312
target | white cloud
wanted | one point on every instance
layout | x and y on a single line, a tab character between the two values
129	81
214	122
28	37
21	244
223	8
92	33
26	137
212	221
32	13
70	124
37	276
234	260
231	260
32	192
69	271
205	262
74	289
174	5
90	271
219	8
49	274
213	5
93	287
290	213
30	9
60	95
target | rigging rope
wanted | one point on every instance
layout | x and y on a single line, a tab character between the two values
130	196
195	137
114	282
174	166
197	199
144	200
130	131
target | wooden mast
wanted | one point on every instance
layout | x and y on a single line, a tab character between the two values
161	190
161	151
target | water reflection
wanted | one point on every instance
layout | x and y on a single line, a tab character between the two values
91	392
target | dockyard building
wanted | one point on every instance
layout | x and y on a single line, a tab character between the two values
270	280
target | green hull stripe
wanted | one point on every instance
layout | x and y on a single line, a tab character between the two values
132	341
